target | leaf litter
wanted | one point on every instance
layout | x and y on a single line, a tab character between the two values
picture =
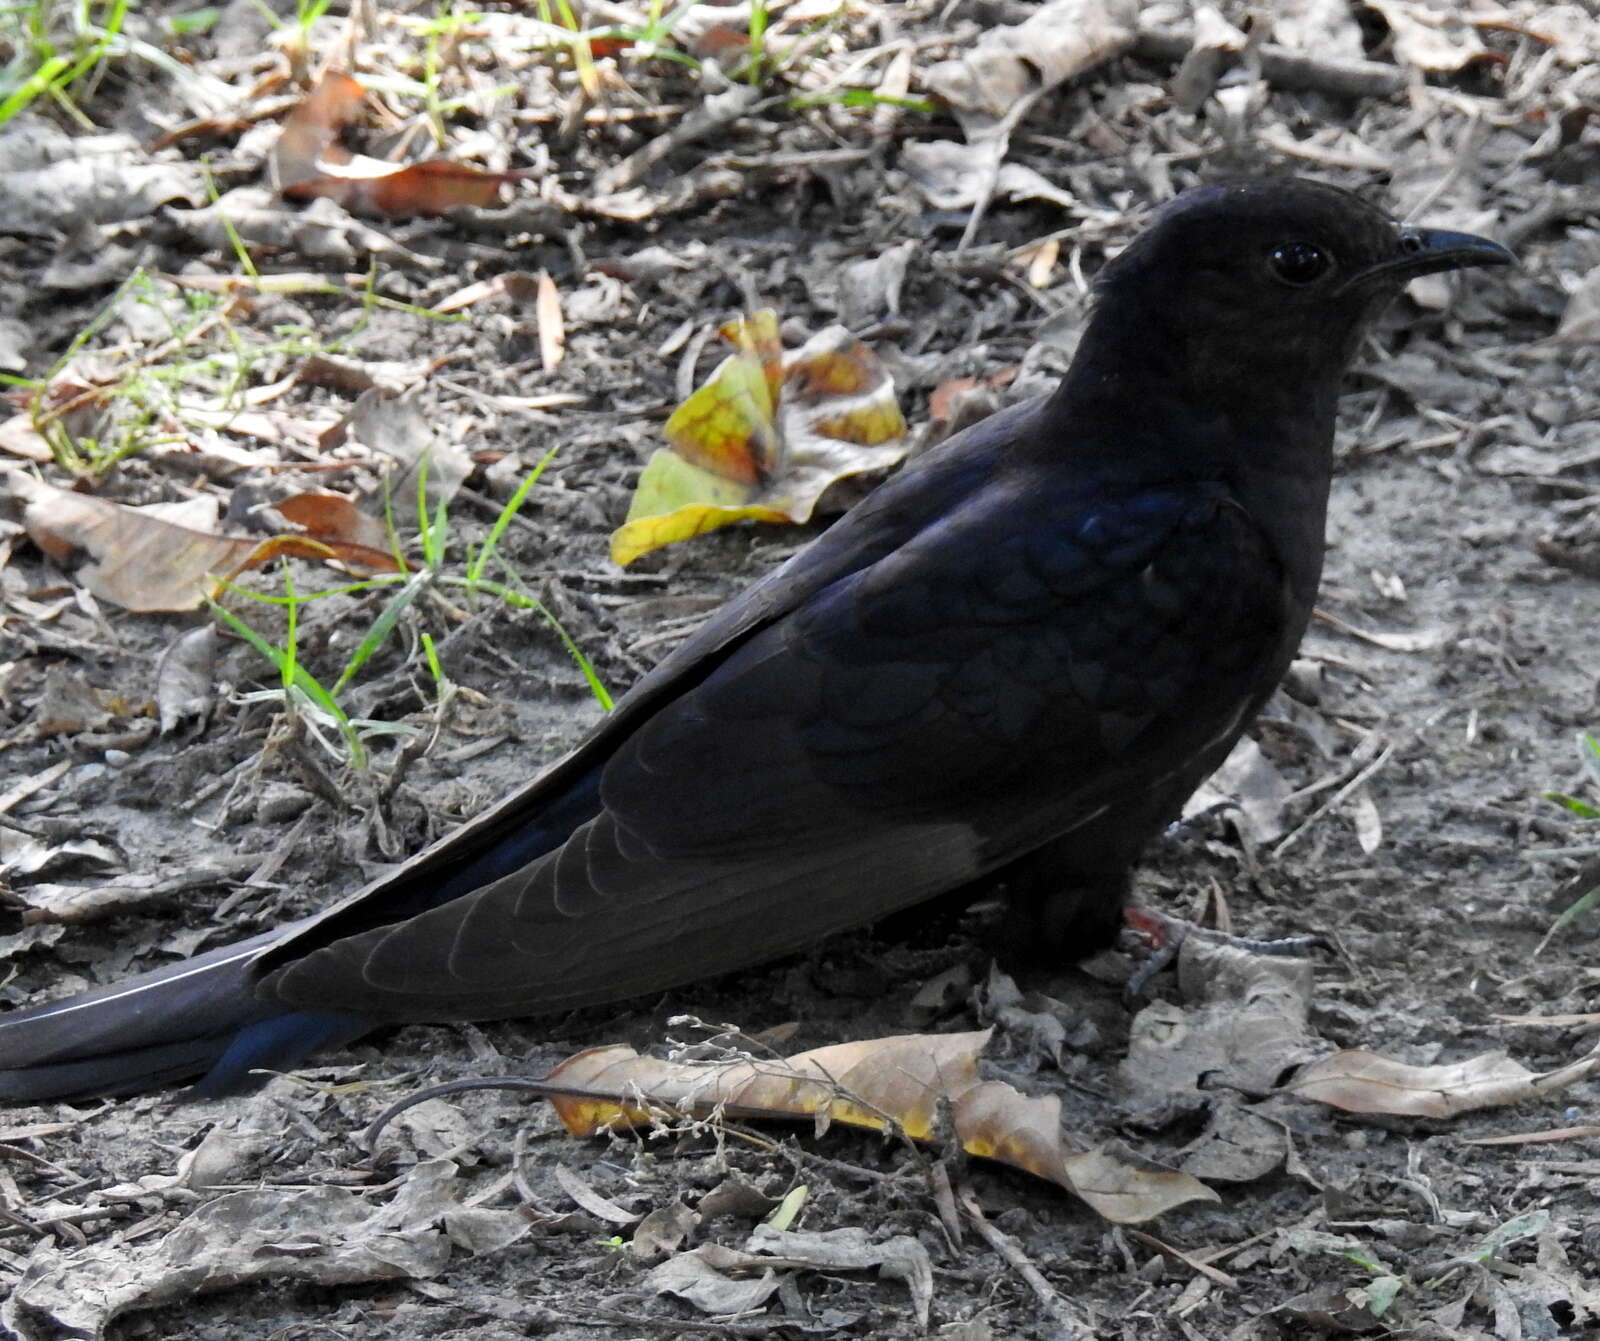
1432	872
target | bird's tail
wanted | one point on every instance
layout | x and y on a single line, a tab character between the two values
203	1017
196	1016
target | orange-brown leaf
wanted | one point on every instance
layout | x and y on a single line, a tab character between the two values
903	1081
143	562
308	160
310	135
336	520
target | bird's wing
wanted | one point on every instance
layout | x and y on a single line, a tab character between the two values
1002	675
538	816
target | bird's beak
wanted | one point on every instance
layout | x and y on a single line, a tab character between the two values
1426	251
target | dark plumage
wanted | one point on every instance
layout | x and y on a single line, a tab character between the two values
1016	659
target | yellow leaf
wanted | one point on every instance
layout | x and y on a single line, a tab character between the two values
675	501
726	427
766	437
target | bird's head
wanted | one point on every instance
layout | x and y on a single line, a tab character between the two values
1268	281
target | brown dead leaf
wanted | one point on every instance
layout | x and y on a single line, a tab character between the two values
322	1235
602	1208
1326	27
765	437
1369	822
1581	320
695	1278
1250	781
902	1081
1242	1023
1011	66
1363	1082
1550	1135
185	676
705	1276
21	790
399	427
68	704
19	437
663	1231
309	161
1571	31
1421	641
312	129
1576	1020
336	519
137	559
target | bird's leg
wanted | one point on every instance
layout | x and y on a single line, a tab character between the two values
1055	916
1159	938
1184	825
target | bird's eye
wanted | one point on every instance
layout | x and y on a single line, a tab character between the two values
1299	263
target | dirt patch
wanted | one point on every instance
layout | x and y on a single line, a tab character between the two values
1435	708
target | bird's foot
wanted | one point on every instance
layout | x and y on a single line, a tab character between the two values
1187	825
1159	938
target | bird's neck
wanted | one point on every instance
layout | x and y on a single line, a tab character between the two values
1148	413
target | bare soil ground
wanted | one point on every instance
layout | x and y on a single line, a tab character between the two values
1403	813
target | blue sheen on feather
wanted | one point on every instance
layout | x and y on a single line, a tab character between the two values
276	1044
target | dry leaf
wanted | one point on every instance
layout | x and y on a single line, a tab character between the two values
903	1081
136	558
552	333
1421	641
68	704
323	1235
1011	66
308	161
398	427
1251	781
1326	27
19	437
1571	31
765	437
662	1231
1364	1082
185	676
694	1277
1581	319
1435	38
1546	1137
1242	1022
1369	823
602	1208
338	520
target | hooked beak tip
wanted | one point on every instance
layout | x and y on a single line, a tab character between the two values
1433	249
1428	251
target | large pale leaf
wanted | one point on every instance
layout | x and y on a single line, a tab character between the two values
903	1081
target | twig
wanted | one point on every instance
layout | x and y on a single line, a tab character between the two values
1333	802
1288	69
944	1201
1007	1247
1211	1273
69	1221
715	113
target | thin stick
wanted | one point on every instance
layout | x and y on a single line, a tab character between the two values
1007	1247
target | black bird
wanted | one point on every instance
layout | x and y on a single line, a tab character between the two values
1013	661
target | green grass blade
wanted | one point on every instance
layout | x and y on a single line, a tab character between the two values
510	510
299	679
378	633
520	598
